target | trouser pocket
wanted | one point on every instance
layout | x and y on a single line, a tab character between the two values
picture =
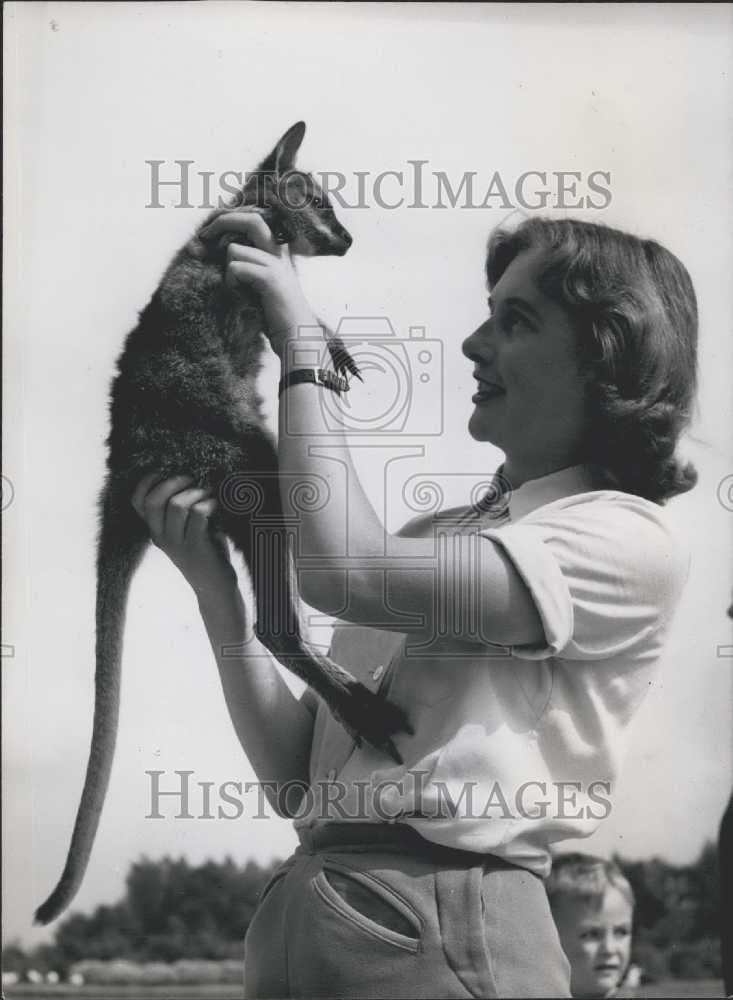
369	904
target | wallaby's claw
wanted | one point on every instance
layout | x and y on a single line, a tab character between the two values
368	717
342	360
393	752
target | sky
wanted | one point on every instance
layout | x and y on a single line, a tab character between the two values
636	99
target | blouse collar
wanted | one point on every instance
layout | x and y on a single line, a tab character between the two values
536	493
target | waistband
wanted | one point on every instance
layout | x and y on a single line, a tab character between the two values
397	838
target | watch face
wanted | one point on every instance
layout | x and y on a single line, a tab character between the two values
319	376
332	380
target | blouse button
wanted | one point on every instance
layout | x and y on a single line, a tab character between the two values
378	672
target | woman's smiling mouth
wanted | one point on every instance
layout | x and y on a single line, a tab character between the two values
487	391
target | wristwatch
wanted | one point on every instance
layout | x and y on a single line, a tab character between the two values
318	376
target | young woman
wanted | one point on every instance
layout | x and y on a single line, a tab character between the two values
534	625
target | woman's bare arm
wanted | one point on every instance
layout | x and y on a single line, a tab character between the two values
438	582
273	727
348	565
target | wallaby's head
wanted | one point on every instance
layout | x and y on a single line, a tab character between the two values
297	209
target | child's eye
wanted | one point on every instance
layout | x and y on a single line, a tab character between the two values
590	935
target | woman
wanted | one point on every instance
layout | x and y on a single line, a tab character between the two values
523	632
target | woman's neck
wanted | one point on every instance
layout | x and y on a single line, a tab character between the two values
518	471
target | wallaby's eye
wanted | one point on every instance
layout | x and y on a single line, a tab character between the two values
318	202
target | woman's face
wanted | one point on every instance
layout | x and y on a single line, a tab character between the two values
531	394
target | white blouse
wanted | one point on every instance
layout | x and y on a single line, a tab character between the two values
516	748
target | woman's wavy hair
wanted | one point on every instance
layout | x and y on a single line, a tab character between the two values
635	312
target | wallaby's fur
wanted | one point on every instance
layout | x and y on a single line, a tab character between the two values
184	401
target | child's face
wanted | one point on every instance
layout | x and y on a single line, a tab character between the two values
596	937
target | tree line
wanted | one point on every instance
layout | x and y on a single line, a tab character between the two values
173	910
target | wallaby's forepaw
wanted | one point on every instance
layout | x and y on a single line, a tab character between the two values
366	716
342	360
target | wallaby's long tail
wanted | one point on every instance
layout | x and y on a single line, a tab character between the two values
122	541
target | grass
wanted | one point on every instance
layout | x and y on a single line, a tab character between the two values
669	988
684	988
28	992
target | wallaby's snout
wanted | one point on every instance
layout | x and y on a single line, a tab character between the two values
334	240
342	242
322	240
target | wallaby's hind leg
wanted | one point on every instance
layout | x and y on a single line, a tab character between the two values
123	538
262	536
253	518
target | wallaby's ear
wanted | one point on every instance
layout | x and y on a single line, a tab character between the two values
282	158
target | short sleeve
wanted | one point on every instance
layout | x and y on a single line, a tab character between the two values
604	573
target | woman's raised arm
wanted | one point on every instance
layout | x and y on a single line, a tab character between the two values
348	566
274	728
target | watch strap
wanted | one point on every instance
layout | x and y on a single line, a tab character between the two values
318	376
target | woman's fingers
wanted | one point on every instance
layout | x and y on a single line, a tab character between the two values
248	224
178	513
238	273
248	255
150	501
197	526
247	265
142	489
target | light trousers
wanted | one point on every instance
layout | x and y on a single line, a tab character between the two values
366	910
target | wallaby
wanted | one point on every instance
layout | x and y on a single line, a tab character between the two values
184	401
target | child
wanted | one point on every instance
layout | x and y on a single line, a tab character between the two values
593	907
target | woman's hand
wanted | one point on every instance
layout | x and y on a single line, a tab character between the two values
177	515
268	269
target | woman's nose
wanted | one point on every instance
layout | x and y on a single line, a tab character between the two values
480	344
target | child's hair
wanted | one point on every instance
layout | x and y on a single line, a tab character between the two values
586	878
635	312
